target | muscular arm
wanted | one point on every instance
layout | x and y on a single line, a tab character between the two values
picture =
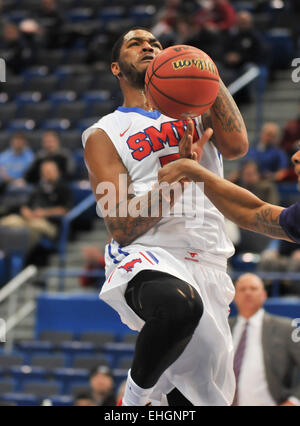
105	165
236	203
230	134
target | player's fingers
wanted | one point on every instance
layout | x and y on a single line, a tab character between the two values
205	137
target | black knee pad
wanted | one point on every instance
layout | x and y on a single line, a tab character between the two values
153	294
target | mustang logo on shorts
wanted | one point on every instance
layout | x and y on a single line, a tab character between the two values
130	265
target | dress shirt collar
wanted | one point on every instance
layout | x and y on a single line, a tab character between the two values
256	319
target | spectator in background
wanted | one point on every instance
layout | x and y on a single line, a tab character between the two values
291	134
18	47
266	357
48	203
84	400
250	179
94	260
121	390
243	47
51	151
271	160
52	21
102	384
219	16
14	162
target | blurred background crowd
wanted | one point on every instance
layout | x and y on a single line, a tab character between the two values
58	83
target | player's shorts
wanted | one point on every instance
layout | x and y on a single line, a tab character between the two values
204	371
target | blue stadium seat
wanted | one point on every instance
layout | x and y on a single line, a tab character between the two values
26	373
28	97
21	125
280	41
17	16
62	96
56	124
62	401
96	96
29	348
20	399
118	350
86	122
119	375
79	14
142	13
37	71
69	376
113	13
7	386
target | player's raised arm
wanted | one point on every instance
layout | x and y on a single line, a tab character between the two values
236	203
230	133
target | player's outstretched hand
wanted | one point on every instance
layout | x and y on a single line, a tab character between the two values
190	149
197	147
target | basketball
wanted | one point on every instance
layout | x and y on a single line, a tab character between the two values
182	81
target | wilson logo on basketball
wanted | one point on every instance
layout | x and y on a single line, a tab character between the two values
199	63
130	265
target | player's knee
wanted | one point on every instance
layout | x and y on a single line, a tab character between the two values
185	311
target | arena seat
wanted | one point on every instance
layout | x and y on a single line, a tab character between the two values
20	399
41	389
97	338
61	400
26	373
49	362
55	337
88	363
56	124
62	96
6	386
79	14
68	376
21	124
36	111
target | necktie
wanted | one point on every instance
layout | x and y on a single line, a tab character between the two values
238	360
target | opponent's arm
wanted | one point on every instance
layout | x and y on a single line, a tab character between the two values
236	203
230	133
105	165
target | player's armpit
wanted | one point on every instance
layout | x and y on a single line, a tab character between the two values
126	216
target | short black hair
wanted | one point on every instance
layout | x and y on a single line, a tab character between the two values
115	53
103	369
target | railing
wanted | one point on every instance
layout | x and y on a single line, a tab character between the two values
65	229
253	73
10	293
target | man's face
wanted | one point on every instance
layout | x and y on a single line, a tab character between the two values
50	142
250	294
49	171
101	384
138	49
296	162
250	175
269	134
18	144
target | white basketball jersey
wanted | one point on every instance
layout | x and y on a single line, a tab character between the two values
145	141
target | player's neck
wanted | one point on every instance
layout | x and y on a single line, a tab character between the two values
134	98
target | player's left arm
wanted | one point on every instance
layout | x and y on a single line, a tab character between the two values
230	133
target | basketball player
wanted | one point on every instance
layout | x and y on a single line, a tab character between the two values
166	276
238	204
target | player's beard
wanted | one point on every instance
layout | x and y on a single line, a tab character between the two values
134	77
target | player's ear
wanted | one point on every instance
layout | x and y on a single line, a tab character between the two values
115	69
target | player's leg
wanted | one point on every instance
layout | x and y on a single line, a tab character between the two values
171	309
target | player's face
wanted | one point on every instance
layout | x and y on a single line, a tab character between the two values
296	162
138	49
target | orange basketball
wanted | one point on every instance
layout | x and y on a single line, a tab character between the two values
182	81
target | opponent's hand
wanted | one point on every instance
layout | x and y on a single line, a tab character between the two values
174	171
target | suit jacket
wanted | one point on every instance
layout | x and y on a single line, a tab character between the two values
281	357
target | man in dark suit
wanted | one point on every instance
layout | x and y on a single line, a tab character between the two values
266	354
